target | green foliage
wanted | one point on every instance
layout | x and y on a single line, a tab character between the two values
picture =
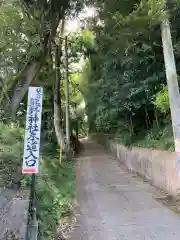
55	187
162	101
18	34
122	79
156	138
27	31
127	71
83	42
55	193
11	150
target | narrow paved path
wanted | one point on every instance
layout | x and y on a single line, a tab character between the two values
114	205
13	213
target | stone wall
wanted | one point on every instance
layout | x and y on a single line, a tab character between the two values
157	166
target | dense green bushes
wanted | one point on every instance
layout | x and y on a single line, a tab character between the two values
127	94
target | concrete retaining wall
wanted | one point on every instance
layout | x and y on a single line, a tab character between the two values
157	166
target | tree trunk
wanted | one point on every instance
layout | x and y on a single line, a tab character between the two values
57	103
67	93
156	118
31	70
25	79
147	118
131	128
77	129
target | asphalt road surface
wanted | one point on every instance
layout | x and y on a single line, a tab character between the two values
114	205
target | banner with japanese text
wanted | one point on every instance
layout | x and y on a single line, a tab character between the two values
33	130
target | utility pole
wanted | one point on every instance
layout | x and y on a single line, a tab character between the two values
67	93
172	82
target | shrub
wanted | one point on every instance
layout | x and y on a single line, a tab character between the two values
162	101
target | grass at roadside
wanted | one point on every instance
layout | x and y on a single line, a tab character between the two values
55	191
55	194
156	138
11	150
55	184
